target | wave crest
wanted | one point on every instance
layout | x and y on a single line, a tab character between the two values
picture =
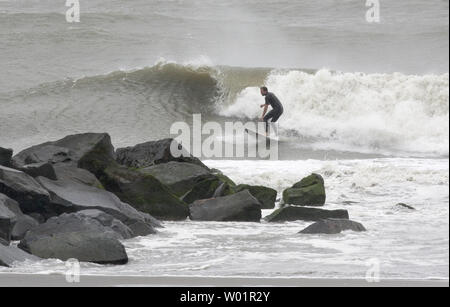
356	111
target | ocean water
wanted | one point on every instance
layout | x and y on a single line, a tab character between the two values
366	105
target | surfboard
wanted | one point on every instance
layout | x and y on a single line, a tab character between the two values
259	136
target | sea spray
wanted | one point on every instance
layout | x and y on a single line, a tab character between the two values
356	111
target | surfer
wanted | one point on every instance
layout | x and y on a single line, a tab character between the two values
277	108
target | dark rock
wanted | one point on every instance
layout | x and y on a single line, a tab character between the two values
7	222
153	153
333	226
43	169
71	195
239	207
266	196
38	217
23	222
5	156
179	177
70	150
294	213
109	222
404	206
223	190
23	225
203	190
10	255
141	229
310	191
152	221
30	195
216	186
73	236
79	175
224	178
144	192
95	153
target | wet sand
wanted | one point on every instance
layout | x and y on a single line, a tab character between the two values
34	280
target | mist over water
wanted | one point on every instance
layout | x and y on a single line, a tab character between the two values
39	45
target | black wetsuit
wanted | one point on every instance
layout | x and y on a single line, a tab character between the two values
277	109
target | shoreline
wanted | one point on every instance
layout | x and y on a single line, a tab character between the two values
58	280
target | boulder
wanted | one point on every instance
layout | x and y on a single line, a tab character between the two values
294	213
10	255
216	186
43	169
78	175
23	222
68	194
223	178
224	189
203	190
153	153
239	207
179	177
143	191
95	153
73	236
310	191
7	221
333	226
266	196
68	151
38	217
30	195
109	222
5	156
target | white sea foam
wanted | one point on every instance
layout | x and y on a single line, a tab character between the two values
408	244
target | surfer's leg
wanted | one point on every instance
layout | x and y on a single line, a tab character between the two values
267	118
274	115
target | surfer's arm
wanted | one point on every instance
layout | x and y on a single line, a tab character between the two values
265	106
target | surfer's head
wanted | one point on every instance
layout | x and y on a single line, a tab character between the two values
264	90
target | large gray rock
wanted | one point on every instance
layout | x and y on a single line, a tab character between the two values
310	191
70	150
266	196
78	175
30	195
73	236
152	153
5	156
94	153
123	231
295	213
7	221
68	194
43	169
23	222
239	207
333	226
179	177
9	255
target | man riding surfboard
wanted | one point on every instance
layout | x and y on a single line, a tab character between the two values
277	108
